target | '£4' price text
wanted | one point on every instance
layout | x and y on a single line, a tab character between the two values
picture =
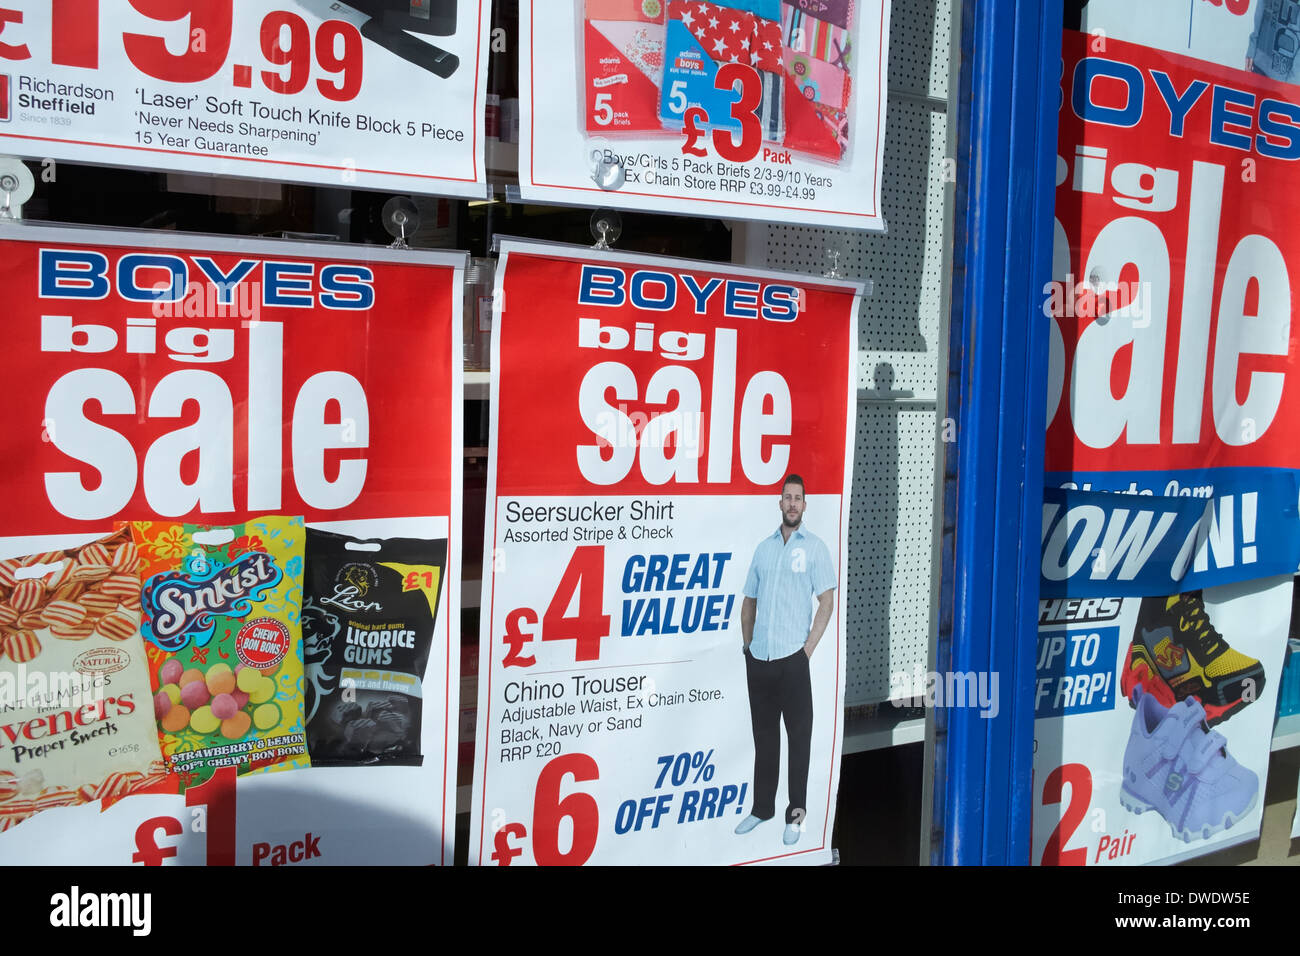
584	578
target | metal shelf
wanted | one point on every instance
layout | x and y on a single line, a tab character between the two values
477	388
888	728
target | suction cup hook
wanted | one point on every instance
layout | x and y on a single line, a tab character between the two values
16	185
1098	288
606	170
400	215
606	227
833	263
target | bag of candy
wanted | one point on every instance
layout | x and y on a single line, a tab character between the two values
368	624
221	621
75	725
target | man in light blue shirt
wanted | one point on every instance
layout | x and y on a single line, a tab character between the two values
790	573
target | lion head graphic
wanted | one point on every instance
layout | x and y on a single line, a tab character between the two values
358	577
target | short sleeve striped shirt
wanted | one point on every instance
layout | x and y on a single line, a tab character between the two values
784	578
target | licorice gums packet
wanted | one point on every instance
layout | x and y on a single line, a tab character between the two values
368	622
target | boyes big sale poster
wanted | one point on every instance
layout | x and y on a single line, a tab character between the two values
662	641
1170	534
229	556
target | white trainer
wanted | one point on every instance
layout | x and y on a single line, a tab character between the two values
747	824
791	835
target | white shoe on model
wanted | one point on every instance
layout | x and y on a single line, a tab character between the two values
747	824
791	835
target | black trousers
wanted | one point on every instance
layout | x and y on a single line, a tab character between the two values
780	690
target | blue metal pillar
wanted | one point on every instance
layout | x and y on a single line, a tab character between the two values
997	367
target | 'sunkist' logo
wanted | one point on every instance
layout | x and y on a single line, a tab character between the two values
181	608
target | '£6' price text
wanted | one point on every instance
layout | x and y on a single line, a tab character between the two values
549	811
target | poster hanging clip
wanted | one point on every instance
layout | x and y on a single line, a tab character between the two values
399	213
17	184
606	227
833	261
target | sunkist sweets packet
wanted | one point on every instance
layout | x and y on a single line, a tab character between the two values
76	724
368	624
221	622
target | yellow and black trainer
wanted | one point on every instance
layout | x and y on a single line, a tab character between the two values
1176	653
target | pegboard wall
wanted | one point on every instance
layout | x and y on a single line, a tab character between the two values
891	531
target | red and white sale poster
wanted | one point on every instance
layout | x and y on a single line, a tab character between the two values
273	390
662	663
739	109
362	93
1171	388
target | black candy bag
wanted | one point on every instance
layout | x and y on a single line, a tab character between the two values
369	609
